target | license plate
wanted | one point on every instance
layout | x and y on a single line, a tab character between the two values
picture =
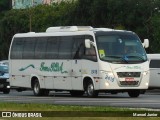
129	79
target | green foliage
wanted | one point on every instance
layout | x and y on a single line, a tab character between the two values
140	16
4	5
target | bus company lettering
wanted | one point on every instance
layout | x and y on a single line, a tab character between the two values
133	67
55	67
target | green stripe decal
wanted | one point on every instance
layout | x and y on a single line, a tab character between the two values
22	69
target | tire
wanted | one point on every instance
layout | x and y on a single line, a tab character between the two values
76	93
134	93
36	88
90	90
6	91
38	91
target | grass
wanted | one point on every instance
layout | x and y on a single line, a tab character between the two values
64	109
49	107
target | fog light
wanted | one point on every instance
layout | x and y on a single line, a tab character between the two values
145	73
147	84
106	83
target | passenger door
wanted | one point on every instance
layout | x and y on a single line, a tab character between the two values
77	51
63	78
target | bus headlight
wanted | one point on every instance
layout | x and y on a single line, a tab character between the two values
107	84
147	84
145	73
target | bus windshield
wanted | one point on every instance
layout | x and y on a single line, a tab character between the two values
120	48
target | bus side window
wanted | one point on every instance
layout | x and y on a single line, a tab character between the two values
52	48
29	48
65	47
40	48
89	37
17	48
154	64
78	47
90	54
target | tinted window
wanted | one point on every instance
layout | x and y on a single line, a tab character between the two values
65	48
90	53
154	64
17	48
89	37
78	43
52	48
29	48
40	48
80	52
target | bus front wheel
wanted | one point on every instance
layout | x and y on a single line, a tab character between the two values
134	93
91	92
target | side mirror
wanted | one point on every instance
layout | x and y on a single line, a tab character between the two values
145	43
87	43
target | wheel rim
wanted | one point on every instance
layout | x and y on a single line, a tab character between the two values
36	88
90	89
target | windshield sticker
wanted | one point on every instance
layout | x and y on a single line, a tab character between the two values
54	67
101	53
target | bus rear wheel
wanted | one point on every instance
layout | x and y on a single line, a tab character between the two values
134	93
38	91
91	92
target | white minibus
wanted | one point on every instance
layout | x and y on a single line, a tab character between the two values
154	65
79	59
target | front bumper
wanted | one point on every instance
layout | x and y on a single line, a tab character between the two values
4	84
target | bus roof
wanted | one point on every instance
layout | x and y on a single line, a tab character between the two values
69	30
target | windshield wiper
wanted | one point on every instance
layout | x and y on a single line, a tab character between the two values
139	57
123	58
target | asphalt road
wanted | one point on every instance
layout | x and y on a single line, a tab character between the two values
150	99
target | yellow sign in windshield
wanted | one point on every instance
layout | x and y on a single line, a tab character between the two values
102	53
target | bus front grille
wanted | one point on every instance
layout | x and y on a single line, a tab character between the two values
128	74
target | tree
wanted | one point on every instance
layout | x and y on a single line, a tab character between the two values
5	5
